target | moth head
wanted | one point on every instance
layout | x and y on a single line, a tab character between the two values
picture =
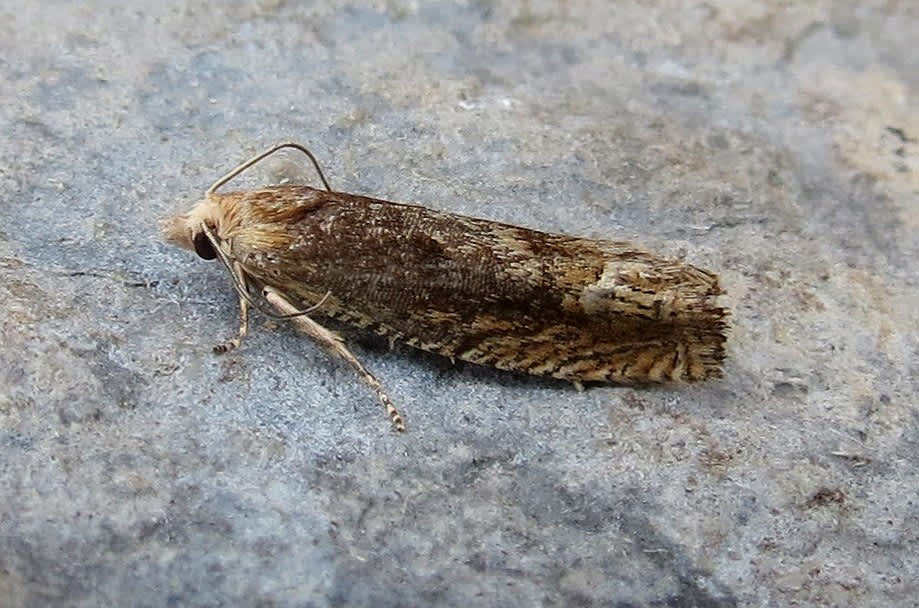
186	230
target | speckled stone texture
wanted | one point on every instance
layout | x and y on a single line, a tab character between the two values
775	142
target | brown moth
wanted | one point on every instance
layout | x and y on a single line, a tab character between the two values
472	289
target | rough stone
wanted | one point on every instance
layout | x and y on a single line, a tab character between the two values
777	144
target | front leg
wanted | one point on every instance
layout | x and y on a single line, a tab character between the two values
229	345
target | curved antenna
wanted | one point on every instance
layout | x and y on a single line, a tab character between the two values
244	293
263	156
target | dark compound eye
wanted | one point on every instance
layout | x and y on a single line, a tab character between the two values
203	247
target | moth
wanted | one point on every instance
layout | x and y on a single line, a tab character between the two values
494	294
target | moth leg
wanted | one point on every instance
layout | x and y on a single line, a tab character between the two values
578	385
225	347
333	343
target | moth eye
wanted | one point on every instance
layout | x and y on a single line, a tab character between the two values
203	247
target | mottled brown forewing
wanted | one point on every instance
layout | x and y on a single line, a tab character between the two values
477	290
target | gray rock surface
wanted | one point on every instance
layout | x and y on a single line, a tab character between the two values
777	143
